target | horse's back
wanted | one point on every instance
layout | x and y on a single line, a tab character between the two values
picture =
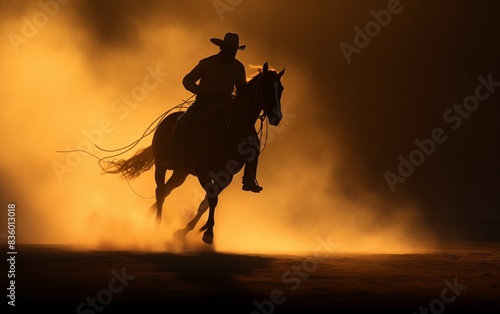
164	134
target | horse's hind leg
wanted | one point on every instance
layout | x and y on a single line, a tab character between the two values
181	233
164	189
160	172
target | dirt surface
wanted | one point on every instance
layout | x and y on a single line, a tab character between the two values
58	279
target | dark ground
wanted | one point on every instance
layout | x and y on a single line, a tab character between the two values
58	279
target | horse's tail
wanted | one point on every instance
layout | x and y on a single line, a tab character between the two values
131	168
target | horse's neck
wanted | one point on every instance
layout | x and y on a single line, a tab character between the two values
246	109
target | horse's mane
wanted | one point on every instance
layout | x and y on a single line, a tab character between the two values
251	80
259	73
254	77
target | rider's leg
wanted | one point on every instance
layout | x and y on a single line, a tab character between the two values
250	174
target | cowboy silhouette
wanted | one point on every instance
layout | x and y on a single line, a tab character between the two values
221	77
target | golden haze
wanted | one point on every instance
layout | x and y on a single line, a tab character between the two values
60	87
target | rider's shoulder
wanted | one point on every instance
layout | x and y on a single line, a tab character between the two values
209	59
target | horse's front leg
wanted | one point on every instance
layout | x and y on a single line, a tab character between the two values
212	189
208	235
164	190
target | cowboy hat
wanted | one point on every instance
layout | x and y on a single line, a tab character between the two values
230	39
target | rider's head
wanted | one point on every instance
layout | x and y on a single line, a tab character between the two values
229	45
228	52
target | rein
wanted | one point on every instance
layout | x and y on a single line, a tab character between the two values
243	135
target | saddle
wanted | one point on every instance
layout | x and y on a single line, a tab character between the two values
212	108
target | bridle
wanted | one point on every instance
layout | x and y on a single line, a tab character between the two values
243	135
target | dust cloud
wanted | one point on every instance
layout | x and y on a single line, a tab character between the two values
99	74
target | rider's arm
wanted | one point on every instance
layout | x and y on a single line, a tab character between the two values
241	80
192	77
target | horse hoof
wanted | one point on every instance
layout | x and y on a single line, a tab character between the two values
208	239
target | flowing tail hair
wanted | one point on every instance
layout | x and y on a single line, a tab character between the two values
143	159
133	167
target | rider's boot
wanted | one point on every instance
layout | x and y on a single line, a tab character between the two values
251	185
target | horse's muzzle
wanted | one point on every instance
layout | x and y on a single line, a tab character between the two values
276	117
274	121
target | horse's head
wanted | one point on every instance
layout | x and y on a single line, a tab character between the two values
271	93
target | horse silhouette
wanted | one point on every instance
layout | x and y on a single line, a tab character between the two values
219	147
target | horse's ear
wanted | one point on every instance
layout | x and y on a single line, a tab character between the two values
280	74
265	68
